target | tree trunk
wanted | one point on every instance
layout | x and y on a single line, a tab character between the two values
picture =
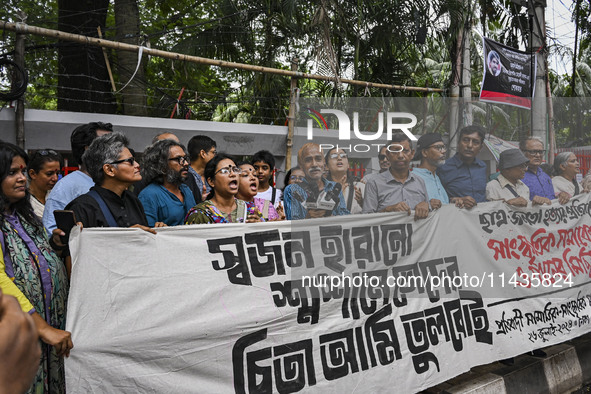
127	21
83	81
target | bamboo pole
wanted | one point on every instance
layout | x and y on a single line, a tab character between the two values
100	34
23	28
292	114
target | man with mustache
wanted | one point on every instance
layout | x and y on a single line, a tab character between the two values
464	176
431	152
166	198
398	189
311	161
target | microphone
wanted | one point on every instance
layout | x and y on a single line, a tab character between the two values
334	193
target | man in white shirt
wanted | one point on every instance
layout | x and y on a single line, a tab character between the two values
508	186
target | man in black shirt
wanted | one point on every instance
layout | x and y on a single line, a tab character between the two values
108	203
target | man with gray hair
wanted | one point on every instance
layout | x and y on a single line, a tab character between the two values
113	169
538	182
166	198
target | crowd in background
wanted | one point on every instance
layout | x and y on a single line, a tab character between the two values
177	185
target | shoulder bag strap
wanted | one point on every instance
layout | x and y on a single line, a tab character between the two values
273	195
350	196
576	186
510	189
105	210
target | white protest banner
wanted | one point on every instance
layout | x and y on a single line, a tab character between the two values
229	308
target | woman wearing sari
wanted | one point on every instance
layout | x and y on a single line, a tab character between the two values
37	276
221	205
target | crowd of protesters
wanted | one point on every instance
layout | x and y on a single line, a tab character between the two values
174	185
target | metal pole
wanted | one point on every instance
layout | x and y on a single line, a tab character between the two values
538	42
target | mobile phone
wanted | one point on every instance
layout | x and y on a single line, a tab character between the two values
65	221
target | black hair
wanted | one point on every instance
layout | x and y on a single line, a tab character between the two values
8	152
42	156
473	129
83	135
209	171
266	157
399	137
199	143
288	175
350	177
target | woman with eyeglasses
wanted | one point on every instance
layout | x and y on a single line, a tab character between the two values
247	190
337	163
32	270
566	168
294	175
113	169
222	206
43	171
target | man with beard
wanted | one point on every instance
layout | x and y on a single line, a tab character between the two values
298	196
166	199
431	152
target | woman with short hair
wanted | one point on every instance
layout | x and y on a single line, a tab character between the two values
113	169
222	206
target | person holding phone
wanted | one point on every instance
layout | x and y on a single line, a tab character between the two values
222	206
33	270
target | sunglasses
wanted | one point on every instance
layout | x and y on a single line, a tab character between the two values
381	157
129	161
180	159
227	170
338	155
296	178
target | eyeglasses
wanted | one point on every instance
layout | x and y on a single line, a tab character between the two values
440	148
381	157
227	170
338	155
536	152
523	166
129	161
297	178
180	159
